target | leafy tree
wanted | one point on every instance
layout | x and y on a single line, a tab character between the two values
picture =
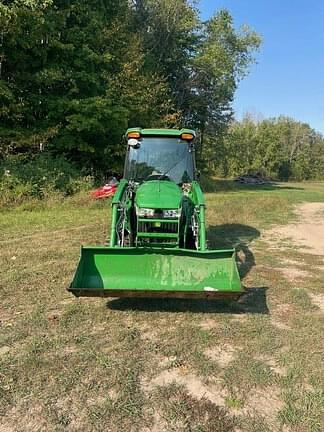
222	60
75	74
279	147
56	57
169	33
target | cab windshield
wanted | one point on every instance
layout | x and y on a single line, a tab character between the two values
164	158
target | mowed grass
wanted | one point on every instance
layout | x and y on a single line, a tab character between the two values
160	365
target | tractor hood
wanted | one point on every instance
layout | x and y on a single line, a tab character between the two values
158	194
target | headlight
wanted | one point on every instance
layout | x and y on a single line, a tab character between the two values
172	213
145	212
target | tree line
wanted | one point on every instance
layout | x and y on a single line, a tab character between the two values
75	74
280	148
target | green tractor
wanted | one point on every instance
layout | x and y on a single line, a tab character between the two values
158	231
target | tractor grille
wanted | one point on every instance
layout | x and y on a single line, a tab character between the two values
157	232
158	241
160	227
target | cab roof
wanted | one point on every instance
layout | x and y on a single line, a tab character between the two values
161	132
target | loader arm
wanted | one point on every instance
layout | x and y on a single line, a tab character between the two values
200	205
116	201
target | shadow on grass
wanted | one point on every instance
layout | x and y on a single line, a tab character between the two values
238	237
254	301
210	184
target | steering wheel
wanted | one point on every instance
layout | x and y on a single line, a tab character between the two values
157	176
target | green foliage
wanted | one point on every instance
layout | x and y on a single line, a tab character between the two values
56	58
222	59
74	75
23	177
280	148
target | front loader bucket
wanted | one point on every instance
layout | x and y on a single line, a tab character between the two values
140	272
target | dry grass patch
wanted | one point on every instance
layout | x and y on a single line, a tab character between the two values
223	355
4	350
209	324
25	417
281	316
193	384
266	402
294	274
318	300
274	364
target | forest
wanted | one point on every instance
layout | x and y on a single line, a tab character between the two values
74	75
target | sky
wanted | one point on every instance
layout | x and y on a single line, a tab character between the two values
288	78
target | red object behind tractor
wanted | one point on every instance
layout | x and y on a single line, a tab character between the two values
105	191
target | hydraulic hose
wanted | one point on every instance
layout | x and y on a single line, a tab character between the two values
202	228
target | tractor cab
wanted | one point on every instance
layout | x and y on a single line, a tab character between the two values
159	154
160	164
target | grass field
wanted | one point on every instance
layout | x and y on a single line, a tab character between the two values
162	365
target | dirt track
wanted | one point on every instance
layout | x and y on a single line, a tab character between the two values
307	232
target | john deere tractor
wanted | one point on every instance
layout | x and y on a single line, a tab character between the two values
158	230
